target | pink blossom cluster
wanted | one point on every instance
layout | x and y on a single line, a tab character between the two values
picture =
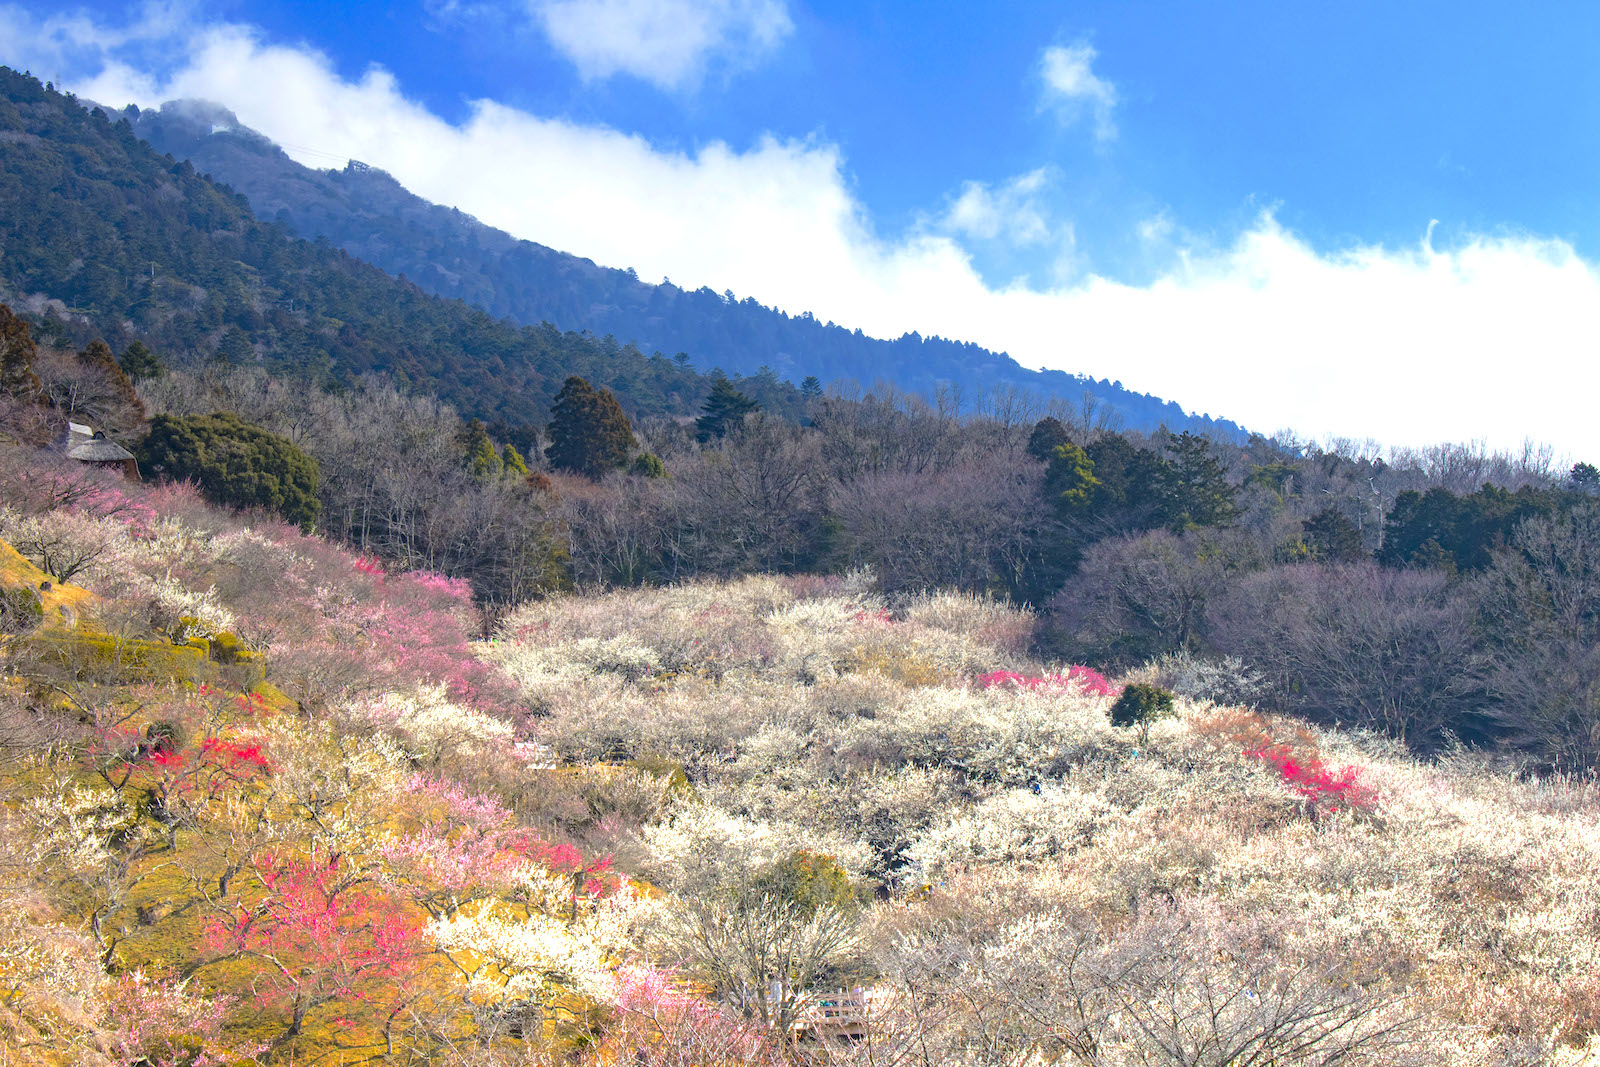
468	842
419	625
659	1023
108	502
1084	679
319	934
878	617
1322	786
162	1024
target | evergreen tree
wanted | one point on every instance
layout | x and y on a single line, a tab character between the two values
481	456
1585	478
234	463
649	465
1195	490
138	362
1048	434
17	378
1128	498
235	347
1332	538
723	410
1069	482
512	462
811	388
588	432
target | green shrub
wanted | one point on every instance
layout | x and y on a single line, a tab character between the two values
164	736
648	465
811	880
122	660
1140	705
234	463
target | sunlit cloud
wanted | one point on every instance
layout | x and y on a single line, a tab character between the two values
1072	89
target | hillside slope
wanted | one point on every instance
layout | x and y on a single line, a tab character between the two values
371	216
127	244
268	803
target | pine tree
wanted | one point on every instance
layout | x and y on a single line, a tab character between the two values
138	362
588	431
811	388
1048	434
1332	538
1070	480
1195	489
17	378
724	409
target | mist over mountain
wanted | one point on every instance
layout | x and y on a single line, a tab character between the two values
368	214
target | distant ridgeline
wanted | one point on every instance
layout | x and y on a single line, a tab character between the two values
371	216
104	237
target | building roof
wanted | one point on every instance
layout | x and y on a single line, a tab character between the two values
99	450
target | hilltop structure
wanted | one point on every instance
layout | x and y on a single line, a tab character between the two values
91	446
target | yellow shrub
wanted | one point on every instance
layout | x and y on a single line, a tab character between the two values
907	668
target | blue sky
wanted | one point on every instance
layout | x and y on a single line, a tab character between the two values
1218	202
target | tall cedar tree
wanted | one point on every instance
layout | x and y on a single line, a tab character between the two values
481	456
724	409
589	433
17	378
234	463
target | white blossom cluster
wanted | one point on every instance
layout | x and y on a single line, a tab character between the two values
842	727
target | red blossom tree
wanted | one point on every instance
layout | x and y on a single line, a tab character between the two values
315	935
1323	788
1085	679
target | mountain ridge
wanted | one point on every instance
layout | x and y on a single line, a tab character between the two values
126	244
445	251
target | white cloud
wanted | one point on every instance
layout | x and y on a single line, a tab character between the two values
666	42
1012	210
1071	86
1491	339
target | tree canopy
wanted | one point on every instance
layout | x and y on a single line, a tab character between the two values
724	409
589	434
234	463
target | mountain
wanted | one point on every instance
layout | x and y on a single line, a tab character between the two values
103	236
371	216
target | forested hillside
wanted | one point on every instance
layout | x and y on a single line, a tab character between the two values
369	215
115	241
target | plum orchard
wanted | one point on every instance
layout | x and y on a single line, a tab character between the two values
271	802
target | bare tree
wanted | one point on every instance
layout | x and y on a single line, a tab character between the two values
1183	987
975	526
755	502
1538	608
1356	644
